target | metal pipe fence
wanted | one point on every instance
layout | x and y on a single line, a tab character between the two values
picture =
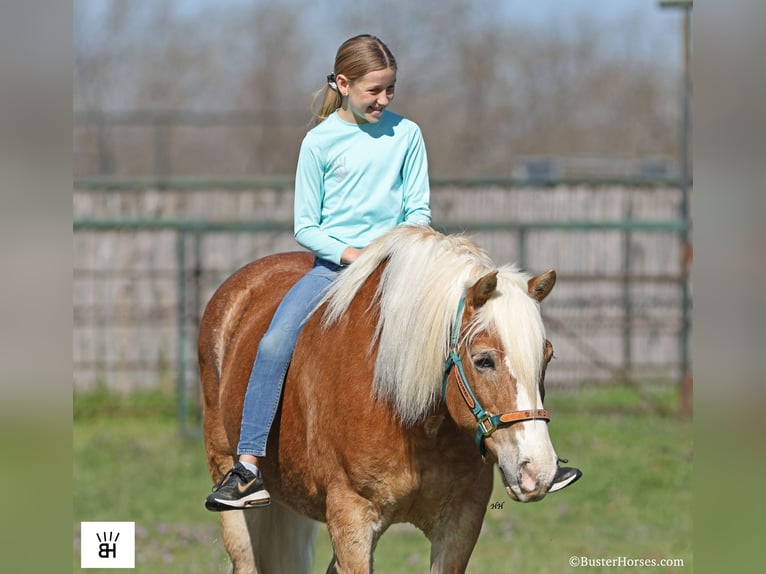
148	256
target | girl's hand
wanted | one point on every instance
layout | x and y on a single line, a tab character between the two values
350	255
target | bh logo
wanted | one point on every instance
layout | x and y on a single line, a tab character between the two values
107	544
107	548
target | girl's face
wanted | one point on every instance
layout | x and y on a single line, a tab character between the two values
366	98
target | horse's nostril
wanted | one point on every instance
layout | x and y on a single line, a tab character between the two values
528	482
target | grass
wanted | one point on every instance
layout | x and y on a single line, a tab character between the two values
634	500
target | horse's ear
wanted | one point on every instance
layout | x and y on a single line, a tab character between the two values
539	287
481	290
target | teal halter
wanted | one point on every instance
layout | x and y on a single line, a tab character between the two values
488	423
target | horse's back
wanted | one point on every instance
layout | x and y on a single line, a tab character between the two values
235	318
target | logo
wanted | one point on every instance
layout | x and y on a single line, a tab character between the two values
107	545
242	489
338	168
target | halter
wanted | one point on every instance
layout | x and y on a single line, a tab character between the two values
488	423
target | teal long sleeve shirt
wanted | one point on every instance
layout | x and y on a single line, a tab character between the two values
354	182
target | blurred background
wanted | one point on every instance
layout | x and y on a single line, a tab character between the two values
558	136
195	88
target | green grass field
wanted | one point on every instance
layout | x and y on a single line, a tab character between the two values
633	502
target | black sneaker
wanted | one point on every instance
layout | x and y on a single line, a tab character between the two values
565	475
238	489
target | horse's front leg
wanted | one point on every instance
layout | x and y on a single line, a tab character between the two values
355	525
453	540
453	532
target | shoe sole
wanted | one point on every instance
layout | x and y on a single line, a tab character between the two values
257	500
564	483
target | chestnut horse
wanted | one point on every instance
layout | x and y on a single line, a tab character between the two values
422	365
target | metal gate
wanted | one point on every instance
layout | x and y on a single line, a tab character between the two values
148	256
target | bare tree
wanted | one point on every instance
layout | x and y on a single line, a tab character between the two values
485	90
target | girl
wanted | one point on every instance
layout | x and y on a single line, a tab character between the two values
361	171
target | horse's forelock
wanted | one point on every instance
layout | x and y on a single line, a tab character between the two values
515	317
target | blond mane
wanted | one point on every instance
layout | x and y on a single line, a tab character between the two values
425	275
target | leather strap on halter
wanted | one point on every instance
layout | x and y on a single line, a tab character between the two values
488	423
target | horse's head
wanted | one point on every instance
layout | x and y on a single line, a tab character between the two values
496	368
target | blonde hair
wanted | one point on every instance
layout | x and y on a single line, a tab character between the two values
355	58
425	275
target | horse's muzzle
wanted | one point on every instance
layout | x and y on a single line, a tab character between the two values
525	485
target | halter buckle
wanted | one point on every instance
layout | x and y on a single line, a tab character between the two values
486	426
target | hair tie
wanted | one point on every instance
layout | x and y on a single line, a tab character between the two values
331	82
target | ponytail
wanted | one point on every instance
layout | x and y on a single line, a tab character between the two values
324	102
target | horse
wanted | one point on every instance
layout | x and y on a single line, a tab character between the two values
420	370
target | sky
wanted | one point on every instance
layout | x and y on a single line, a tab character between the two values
657	41
664	25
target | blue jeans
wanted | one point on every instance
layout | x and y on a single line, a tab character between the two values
264	389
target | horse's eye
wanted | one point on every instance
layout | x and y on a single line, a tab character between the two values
484	361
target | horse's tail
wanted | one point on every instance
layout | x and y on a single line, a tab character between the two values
270	540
